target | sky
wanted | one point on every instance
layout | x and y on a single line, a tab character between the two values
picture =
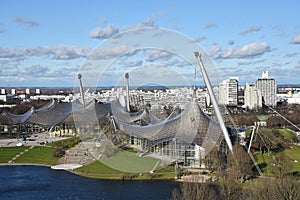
46	43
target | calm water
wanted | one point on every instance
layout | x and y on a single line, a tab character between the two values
35	182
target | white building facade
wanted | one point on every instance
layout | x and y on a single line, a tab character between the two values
228	92
268	88
253	98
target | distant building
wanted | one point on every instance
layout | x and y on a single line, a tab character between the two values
228	92
253	98
37	91
2	91
6	98
268	88
13	91
27	91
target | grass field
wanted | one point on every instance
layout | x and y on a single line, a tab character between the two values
38	155
100	170
287	134
7	153
264	160
294	154
130	162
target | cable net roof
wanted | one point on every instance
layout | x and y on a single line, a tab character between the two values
56	112
129	117
51	114
190	126
8	118
90	114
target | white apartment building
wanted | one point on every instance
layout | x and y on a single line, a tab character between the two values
253	98
228	92
268	88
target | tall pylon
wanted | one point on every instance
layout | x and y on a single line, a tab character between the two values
127	92
214	101
81	90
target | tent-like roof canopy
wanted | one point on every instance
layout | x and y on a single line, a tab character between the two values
56	112
190	126
8	118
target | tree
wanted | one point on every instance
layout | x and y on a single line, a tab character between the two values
282	165
285	188
196	191
240	164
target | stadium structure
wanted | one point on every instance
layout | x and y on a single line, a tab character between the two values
186	138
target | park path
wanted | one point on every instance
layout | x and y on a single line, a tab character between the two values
20	154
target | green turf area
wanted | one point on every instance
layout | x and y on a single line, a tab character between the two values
248	133
129	149
294	153
38	155
7	153
287	134
167	169
97	168
130	162
100	170
264	160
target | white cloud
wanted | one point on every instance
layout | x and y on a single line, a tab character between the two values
250	30
247	51
215	51
230	42
69	52
210	25
107	53
157	54
107	32
134	63
146	23
29	22
61	52
199	38
296	39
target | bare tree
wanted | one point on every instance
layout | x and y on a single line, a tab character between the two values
240	164
281	165
195	191
285	188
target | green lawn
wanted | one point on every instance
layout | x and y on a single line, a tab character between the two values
129	162
167	169
264	160
294	153
97	168
100	170
287	134
38	155
7	153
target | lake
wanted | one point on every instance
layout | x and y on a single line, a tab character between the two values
37	182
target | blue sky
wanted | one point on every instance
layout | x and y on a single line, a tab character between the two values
44	43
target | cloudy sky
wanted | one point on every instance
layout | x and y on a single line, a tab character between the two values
45	43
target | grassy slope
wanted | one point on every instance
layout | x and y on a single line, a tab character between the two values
294	153
100	170
38	155
7	153
130	162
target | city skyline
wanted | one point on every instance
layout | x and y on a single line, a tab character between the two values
43	44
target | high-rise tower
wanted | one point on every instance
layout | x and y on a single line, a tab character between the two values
268	89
